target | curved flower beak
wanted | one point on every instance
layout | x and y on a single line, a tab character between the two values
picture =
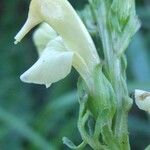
34	18
53	65
142	99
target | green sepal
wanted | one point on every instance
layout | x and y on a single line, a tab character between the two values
102	97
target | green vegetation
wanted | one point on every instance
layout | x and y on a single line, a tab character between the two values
33	117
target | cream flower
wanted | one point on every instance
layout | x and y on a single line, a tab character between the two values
60	15
142	99
74	45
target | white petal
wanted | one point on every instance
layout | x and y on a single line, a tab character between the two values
142	99
53	65
42	36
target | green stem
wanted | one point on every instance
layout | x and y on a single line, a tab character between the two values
103	32
113	67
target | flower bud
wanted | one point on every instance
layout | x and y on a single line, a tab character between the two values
142	100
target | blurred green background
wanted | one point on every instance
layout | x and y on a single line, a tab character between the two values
35	118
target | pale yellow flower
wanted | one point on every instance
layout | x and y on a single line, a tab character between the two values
77	42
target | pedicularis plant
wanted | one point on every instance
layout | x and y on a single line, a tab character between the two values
63	41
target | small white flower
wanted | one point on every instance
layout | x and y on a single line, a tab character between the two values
142	99
74	46
61	16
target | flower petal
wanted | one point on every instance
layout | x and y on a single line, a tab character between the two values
142	99
42	36
53	65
